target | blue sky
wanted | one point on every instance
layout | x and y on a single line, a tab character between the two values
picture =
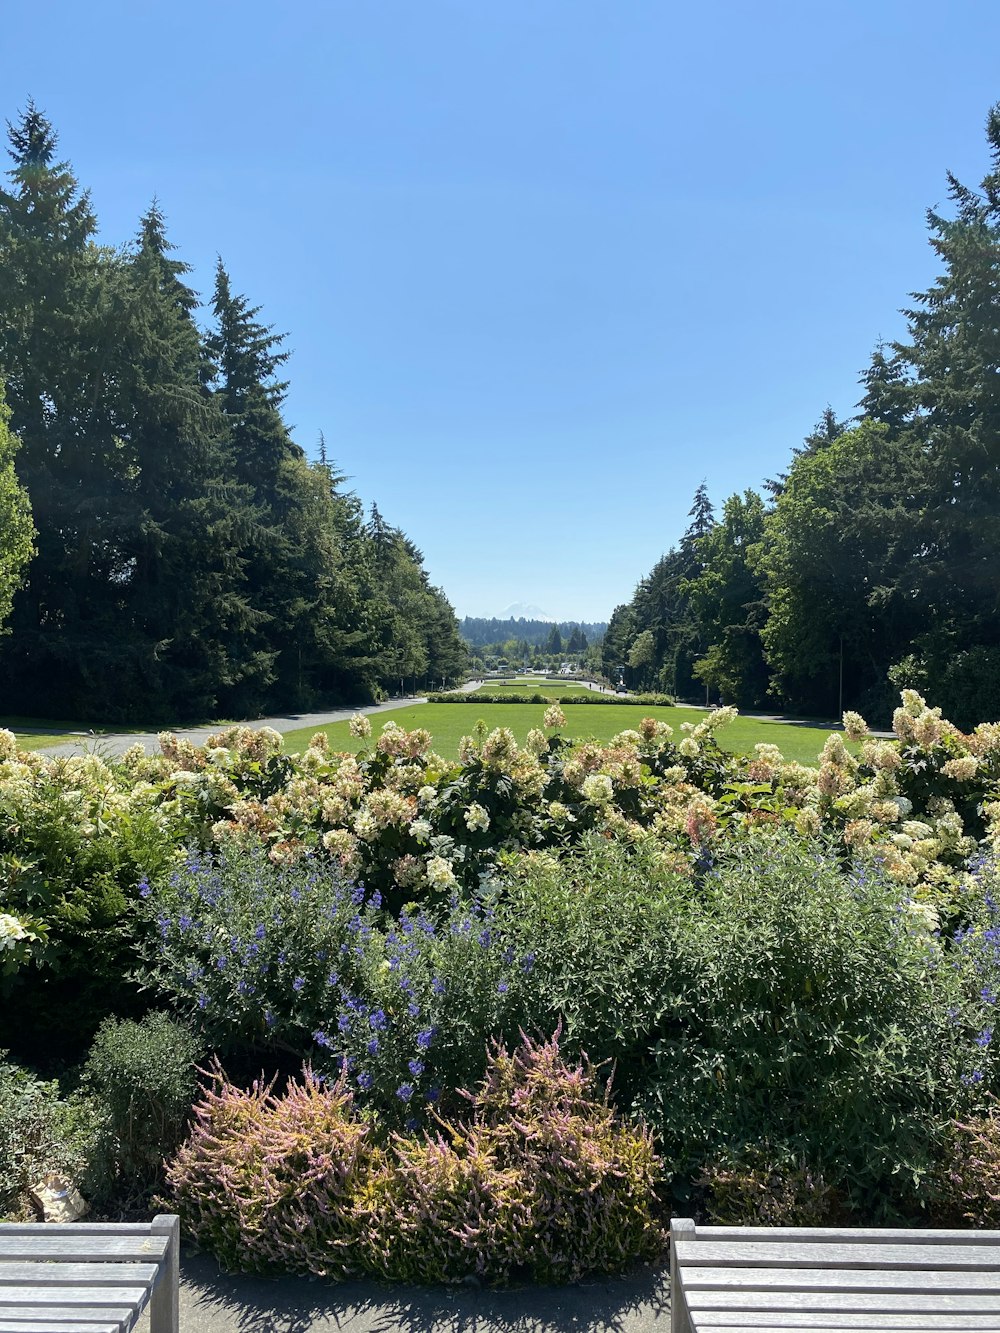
544	264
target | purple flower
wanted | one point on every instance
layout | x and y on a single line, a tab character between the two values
298	983
412	1122
527	962
416	1067
144	889
321	1039
985	1037
202	1001
404	1092
373	1046
259	933
503	988
424	1038
437	985
344	1022
269	1018
413	1010
433	1094
365	1081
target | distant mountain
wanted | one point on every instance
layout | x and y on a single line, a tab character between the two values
483	632
524	611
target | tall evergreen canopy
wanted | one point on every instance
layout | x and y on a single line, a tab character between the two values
189	560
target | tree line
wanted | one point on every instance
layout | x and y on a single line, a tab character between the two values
874	562
187	559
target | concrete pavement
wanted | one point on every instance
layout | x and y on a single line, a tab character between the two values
215	1302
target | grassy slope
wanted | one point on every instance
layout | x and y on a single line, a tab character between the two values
447	723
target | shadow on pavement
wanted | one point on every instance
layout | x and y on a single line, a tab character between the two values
212	1301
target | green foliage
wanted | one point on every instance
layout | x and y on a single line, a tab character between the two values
73	846
142	1077
16	528
40	1132
833	551
809	1013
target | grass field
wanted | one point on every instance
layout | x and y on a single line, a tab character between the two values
447	723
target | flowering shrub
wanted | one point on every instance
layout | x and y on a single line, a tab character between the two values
765	1189
298	956
649	700
21	938
275	1183
968	1180
542	1178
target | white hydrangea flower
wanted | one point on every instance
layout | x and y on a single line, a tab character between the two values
440	874
12	930
476	817
360	726
597	789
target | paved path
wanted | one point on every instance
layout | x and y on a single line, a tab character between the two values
214	1302
115	743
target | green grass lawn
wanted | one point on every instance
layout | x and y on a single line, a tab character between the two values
447	723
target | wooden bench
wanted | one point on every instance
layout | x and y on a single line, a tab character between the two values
811	1279
92	1277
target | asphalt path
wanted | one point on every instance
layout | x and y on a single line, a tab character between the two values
114	743
215	1302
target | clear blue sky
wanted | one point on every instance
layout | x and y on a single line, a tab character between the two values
544	264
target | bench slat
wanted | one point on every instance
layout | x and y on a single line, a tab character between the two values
75	1228
117	1316
59	1326
838	1279
52	1274
83	1297
752	1253
870	1235
797	1321
82	1249
844	1302
924	1324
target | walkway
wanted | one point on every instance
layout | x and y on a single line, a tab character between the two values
213	1302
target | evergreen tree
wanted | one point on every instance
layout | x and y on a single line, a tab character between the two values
727	601
953	359
16	530
61	307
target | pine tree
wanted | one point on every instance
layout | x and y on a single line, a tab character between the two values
60	314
